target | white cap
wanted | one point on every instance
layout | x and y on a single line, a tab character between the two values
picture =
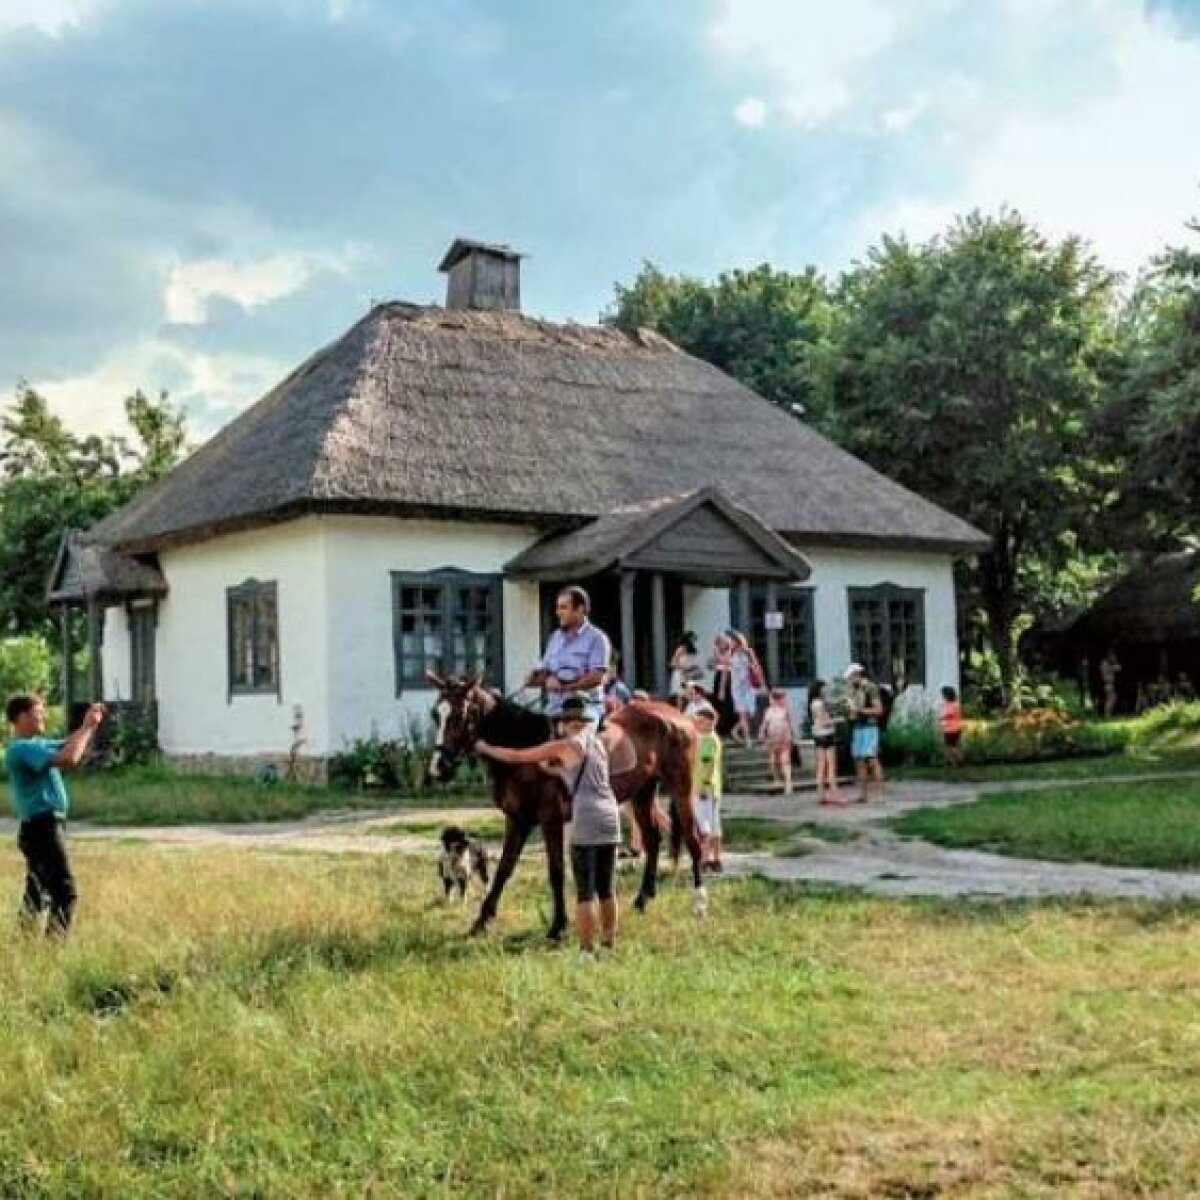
854	669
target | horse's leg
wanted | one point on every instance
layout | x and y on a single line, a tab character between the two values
643	811
679	783
516	833
552	835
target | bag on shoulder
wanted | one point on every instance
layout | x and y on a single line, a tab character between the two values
754	675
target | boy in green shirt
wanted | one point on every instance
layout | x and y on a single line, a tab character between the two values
34	764
709	755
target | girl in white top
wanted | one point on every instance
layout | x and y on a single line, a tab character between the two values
824	731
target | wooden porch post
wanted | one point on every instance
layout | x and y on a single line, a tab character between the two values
68	666
628	641
772	663
95	641
743	618
658	615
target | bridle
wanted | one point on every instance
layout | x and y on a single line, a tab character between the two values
466	710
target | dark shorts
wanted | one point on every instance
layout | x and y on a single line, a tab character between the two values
952	739
594	868
825	741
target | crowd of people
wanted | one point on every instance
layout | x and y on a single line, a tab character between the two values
581	682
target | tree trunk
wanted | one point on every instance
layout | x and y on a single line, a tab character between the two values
997	586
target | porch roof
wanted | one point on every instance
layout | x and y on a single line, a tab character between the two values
86	570
701	535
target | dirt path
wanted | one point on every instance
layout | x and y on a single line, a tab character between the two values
874	858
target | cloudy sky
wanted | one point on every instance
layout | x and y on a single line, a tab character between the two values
195	194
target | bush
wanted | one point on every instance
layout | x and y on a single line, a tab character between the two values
914	732
1170	726
395	765
1038	734
132	740
25	665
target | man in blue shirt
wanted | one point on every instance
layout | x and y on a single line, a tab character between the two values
576	659
34	764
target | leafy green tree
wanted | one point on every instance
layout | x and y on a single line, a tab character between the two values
1154	417
971	369
760	326
55	480
25	665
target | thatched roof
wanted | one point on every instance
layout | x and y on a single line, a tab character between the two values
1153	603
86	570
493	415
701	531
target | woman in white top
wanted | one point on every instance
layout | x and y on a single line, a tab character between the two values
824	731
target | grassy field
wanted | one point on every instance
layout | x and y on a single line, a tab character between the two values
1154	823
1132	762
292	1026
156	795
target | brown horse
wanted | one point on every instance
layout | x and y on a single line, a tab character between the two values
649	743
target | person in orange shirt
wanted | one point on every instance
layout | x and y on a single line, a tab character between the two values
952	726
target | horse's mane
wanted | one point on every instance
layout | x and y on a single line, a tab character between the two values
510	725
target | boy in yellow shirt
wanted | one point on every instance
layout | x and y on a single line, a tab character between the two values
709	755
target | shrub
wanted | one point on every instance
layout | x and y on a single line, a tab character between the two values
1037	734
1173	725
914	734
132	739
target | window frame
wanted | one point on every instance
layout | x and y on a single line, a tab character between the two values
253	592
142	623
761	638
888	594
450	582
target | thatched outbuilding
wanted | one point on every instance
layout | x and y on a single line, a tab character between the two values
1150	621
413	493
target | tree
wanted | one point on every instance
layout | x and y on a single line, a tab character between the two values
1155	413
971	369
56	480
760	326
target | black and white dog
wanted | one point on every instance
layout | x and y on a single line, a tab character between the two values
462	856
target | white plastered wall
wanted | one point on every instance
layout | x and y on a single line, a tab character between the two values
335	625
360	554
834	571
707	611
196	714
706	614
115	655
334	580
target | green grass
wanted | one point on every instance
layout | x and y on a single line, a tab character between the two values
157	795
1132	762
227	1025
779	837
489	826
1148	824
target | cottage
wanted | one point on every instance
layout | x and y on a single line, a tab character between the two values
413	495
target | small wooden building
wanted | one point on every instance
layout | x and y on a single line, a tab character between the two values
413	494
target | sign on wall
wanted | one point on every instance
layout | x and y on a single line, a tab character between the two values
773	620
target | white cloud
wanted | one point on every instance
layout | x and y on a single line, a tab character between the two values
807	50
752	113
192	286
1113	167
212	388
896	120
48	16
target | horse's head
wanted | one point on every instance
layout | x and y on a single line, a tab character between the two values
456	713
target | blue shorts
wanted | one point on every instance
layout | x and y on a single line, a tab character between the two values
865	743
